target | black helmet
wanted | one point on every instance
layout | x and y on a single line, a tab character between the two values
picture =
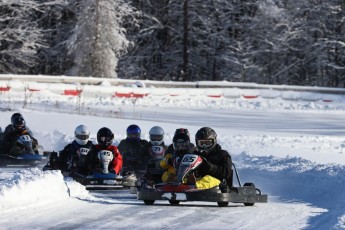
206	139
18	123
181	142
182	130
16	115
133	132
105	137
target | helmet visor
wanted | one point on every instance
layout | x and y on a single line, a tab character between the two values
18	123
133	135
204	144
179	146
82	136
19	126
105	139
156	137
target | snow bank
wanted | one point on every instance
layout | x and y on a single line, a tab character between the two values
32	187
296	180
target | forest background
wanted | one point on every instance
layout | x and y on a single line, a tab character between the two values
262	41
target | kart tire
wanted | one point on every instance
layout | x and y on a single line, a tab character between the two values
224	189
248	204
222	204
149	202
174	202
249	185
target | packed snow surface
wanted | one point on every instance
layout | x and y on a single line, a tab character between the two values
293	150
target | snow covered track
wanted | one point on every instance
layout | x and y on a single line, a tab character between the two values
50	196
292	150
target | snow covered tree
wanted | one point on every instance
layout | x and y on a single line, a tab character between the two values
310	43
160	41
59	20
266	41
219	33
266	48
328	30
98	38
21	34
154	52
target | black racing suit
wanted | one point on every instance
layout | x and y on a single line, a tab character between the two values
73	155
10	137
221	163
135	154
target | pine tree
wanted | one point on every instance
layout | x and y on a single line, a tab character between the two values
98	38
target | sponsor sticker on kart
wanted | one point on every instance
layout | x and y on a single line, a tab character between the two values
174	196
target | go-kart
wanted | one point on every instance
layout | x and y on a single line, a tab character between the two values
28	158
182	191
106	181
102	179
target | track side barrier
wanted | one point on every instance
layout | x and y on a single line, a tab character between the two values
249	91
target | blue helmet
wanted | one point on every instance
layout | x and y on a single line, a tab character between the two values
133	132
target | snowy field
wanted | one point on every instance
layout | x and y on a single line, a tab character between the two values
293	150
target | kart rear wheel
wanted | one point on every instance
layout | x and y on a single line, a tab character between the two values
149	202
249	184
174	202
248	204
222	204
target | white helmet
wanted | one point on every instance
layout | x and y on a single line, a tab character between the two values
156	135
82	134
